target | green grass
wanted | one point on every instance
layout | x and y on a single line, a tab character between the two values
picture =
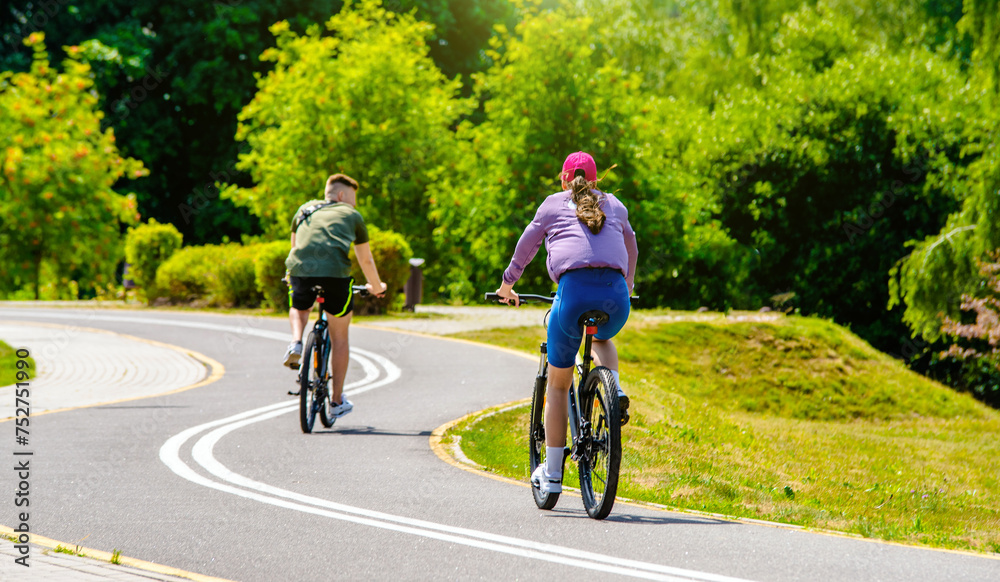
64	550
796	421
8	365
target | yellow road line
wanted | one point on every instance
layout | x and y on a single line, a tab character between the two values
107	557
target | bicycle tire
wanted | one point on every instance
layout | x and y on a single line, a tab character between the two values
536	443
602	456
326	406
307	386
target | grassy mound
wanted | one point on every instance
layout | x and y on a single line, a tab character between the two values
794	420
800	368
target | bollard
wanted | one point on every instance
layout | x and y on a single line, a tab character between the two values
414	288
126	281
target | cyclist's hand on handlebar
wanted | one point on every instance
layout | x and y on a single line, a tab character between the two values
371	289
506	293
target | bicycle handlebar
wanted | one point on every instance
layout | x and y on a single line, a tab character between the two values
527	298
360	290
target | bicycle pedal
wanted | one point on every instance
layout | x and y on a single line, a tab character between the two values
625	418
295	393
294	366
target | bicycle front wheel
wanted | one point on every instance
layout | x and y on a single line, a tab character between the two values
602	453
536	443
309	377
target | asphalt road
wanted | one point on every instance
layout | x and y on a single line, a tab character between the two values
220	480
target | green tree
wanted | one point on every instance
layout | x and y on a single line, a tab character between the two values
546	95
174	75
982	23
59	213
825	165
365	100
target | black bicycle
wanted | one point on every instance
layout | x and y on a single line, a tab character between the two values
594	421
314	370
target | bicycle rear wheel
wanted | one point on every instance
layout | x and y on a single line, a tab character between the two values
309	377
602	455
326	406
536	443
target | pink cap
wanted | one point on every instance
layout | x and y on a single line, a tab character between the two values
579	161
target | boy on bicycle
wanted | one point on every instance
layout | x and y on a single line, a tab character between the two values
322	234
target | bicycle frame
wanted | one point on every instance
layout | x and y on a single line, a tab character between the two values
580	429
322	331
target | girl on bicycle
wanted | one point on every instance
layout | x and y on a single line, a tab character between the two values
592	255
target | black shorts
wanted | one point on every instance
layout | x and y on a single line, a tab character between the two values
338	296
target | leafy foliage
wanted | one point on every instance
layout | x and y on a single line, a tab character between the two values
269	271
173	75
383	116
237	276
58	208
189	273
547	94
392	254
146	247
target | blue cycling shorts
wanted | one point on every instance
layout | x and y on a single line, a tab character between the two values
582	290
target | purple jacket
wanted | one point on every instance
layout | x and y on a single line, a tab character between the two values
571	245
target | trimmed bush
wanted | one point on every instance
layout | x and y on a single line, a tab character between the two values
392	255
147	246
269	269
189	274
235	283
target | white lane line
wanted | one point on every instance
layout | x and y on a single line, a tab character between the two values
202	452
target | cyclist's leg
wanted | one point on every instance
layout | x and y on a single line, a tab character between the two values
339	354
605	354
301	298
340	304
298	319
562	343
556	403
300	301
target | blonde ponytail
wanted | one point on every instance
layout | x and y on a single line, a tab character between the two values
588	204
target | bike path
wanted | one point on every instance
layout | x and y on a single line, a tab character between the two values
370	499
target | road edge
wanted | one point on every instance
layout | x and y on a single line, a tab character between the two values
215	369
103	556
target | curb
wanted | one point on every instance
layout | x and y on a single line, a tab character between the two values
109	557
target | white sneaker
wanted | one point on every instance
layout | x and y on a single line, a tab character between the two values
293	355
545	482
338	410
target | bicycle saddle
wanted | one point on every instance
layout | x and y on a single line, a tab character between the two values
593	317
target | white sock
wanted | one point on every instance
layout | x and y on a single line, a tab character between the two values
553	461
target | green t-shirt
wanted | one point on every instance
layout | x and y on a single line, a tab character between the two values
323	239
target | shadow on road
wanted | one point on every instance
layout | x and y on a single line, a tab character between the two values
641	519
155	406
370	430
